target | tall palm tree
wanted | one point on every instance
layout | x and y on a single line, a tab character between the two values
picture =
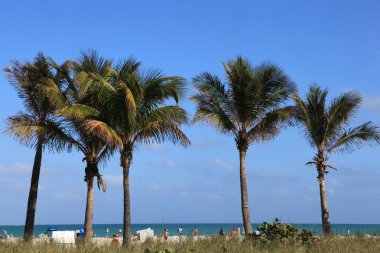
325	129
247	106
138	112
36	127
78	103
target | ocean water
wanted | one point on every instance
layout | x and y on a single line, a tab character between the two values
204	229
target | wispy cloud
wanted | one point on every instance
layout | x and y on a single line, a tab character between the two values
156	147
114	180
226	166
168	164
117	181
66	195
205	143
16	168
371	102
264	175
334	183
213	196
154	186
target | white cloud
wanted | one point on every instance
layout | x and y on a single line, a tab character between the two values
16	168
281	193
223	164
371	102
114	180
334	183
156	147
66	195
169	164
19	168
205	143
213	196
154	186
184	194
331	191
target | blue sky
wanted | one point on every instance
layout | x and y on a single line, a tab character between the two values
333	43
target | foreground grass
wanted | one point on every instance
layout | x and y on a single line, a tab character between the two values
219	245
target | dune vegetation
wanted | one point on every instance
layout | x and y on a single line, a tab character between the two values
216	244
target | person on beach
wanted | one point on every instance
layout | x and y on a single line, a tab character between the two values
233	233
238	232
180	231
221	232
166	234
119	232
194	232
115	240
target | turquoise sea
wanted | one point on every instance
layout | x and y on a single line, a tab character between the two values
204	229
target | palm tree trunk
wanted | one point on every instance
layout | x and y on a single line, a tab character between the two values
126	160
33	191
321	168
324	207
89	209
244	193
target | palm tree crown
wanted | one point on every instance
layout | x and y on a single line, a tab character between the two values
248	104
38	120
326	127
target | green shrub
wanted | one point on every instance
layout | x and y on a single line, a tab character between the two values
277	231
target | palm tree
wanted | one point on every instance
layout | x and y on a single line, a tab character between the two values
36	127
76	104
324	128
247	106
136	103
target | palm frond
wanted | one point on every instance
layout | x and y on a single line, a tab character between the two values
103	131
270	125
311	113
209	111
57	136
78	112
354	138
158	88
170	112
340	111
25	129
160	131
52	91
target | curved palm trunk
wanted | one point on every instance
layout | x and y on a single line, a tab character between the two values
324	207
33	191
89	209
126	160
244	194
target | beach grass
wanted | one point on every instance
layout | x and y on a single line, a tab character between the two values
217	245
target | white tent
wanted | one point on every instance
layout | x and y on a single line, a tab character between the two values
145	234
63	236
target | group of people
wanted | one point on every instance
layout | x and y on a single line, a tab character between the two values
234	232
166	232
